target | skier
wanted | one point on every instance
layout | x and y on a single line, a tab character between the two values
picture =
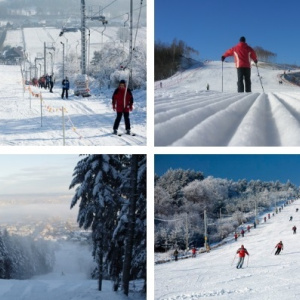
248	228
294	229
254	224
65	87
207	87
241	252
122	101
291	218
235	236
242	232
176	254
279	247
242	53
193	252
297	209
51	83
47	77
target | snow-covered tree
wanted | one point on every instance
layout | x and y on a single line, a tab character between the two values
105	192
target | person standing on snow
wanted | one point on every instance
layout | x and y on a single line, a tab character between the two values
242	253
65	87
51	83
176	254
294	229
243	54
122	101
279	247
193	252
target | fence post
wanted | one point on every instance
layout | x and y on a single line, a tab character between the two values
63	121
41	110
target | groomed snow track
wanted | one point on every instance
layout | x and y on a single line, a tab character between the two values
228	119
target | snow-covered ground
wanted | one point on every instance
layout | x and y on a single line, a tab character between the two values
186	114
67	281
264	276
88	121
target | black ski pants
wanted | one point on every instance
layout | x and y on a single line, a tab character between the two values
277	251
63	93
118	120
244	74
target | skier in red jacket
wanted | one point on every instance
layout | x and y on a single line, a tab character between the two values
243	54
279	247
242	253
122	101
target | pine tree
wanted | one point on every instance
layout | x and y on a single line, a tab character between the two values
105	192
99	181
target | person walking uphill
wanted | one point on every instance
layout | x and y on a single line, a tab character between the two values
65	87
243	54
242	253
122	101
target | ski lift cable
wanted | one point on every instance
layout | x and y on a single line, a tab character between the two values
94	15
174	220
123	14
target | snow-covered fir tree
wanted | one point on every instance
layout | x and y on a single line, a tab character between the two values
103	188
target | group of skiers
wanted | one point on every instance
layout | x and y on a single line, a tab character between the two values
242	251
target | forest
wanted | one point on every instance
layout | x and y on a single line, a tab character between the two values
182	196
22	257
168	58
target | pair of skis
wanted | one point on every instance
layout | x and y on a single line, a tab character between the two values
120	134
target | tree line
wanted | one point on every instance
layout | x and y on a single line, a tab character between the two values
264	55
111	193
23	257
168	57
181	196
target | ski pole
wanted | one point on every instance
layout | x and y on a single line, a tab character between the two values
222	76
272	251
247	260
233	259
260	79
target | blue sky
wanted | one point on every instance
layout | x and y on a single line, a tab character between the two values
213	26
265	167
37	174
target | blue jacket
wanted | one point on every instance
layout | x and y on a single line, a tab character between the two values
65	84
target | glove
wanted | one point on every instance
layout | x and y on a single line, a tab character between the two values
255	62
130	108
223	58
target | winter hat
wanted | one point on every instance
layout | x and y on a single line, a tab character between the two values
242	39
122	81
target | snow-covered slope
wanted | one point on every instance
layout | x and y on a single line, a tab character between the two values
186	114
88	121
67	281
264	276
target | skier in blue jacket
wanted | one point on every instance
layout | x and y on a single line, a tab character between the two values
65	87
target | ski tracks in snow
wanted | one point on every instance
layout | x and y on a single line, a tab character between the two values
228	119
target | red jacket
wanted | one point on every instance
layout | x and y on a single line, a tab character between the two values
242	55
242	252
279	245
122	100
